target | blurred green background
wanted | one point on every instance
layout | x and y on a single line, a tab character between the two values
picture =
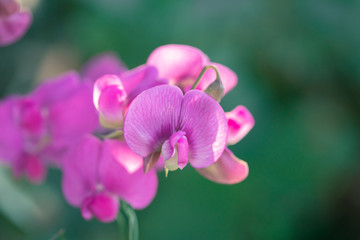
298	64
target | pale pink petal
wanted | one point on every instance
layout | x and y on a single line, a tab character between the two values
103	206
152	119
178	63
80	170
139	79
57	88
102	64
227	170
205	124
136	188
240	123
14	26
104	82
11	140
228	78
73	117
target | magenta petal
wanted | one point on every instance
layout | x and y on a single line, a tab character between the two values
104	82
240	123
228	78
204	122
101	64
56	89
103	206
73	117
152	119
34	169
8	7
80	170
179	143
11	139
178	62
14	26
135	187
227	170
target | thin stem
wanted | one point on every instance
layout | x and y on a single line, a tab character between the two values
132	221
203	72
59	235
121	224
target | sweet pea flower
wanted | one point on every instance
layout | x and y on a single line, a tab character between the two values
13	22
229	169
181	128
38	129
113	94
97	174
182	64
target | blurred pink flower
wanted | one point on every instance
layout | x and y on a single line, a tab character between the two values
113	94
190	127
97	174
13	22
37	129
182	64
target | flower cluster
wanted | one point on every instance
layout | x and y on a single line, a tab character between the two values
109	128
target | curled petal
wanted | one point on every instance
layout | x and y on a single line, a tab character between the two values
80	170
14	26
135	187
102	64
103	206
104	82
240	123
177	146
152	118
227	170
228	78
204	122
178	63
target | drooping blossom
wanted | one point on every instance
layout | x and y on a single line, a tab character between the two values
37	129
113	93
97	174
229	169
13	22
182	64
182	128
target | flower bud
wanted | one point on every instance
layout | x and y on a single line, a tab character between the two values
216	90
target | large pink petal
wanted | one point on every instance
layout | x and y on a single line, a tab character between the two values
103	206
11	140
73	117
102	64
135	187
227	170
80	170
240	123
152	119
204	122
13	27
178	62
228	78
57	88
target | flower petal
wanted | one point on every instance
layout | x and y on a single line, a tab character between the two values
227	170
176	146
101	64
8	7
136	188
204	122
152	118
103	206
178	62
240	123
80	170
104	82
14	26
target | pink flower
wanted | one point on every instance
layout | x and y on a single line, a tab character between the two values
113	94
97	174
13	22
38	129
229	169
181	65
183	128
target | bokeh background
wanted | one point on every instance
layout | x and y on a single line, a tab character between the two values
298	64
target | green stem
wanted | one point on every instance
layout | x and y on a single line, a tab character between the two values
121	224
203	72
132	221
